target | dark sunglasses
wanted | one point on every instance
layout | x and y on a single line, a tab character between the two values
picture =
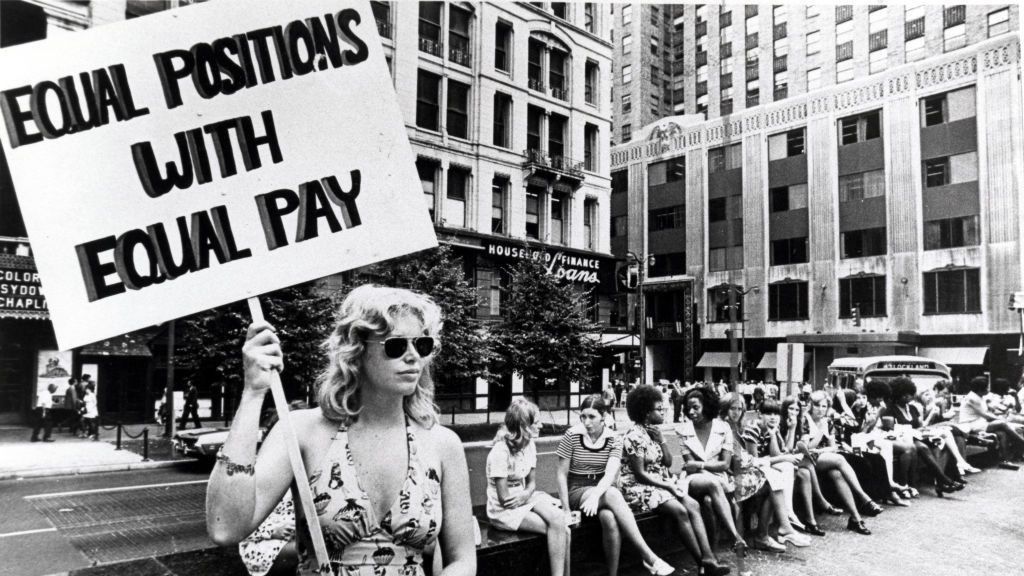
395	347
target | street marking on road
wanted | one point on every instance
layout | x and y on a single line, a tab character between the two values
118	489
27	532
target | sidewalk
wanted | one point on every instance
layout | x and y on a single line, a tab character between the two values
67	454
20	458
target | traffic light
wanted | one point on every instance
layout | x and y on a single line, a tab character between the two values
632	277
855	313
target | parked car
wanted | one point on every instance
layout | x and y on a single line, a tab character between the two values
204	443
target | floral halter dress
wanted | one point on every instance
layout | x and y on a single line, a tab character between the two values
358	543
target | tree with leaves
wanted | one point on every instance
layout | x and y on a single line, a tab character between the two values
209	346
465	348
545	334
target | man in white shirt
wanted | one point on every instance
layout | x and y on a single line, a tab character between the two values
44	419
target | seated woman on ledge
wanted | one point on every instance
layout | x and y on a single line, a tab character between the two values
780	441
589	457
757	479
905	414
975	417
820	441
513	502
647	483
707	448
939	415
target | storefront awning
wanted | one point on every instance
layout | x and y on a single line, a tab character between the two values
613	340
956	356
768	361
717	360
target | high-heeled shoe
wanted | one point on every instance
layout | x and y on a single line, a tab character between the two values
870	508
830	509
659	567
712	569
813	529
946	488
739	547
857	526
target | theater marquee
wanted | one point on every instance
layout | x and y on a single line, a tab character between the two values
21	295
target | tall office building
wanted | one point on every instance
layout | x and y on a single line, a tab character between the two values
854	186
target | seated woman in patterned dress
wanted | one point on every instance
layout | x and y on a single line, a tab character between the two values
647	483
780	448
589	458
378	515
513	502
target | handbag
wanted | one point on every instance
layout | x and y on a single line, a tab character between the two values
749	479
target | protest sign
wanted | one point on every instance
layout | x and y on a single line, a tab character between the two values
199	156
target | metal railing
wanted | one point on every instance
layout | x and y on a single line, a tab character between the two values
459	52
560	93
538	157
430	46
536	84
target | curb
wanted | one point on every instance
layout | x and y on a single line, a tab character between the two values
93	469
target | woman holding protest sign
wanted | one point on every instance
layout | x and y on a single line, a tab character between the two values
378	515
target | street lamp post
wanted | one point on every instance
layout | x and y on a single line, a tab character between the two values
733	360
641	262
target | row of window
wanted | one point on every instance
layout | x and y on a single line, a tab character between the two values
956	291
550	224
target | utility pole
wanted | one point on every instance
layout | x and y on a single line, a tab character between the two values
641	262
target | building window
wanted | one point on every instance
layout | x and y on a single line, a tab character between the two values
954	37
459	50
666	171
557	64
668	264
813	42
725	158
627	103
844	71
998	22
588	17
783	198
789	251
558	9
787	301
620	226
861	243
781	85
785	145
844	13
729	258
878	41
627	133
862	185
627	74
620	182
813	79
915	49
951	233
866	293
666	218
382	15
753	93
718	209
948	107
860	128
591	75
558	206
627	44
502	120
590	147
455	199
427	170
627	15
430	27
499	192
458	109
813	11
952	291
533	117
534	67
502	46
948	170
589	230
532	214
556	136
428	96
718	302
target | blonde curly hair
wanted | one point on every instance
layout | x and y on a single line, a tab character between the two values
369	312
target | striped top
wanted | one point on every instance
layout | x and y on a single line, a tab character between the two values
586	457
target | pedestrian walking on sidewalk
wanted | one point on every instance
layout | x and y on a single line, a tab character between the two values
74	419
92	414
44	415
191	407
376	399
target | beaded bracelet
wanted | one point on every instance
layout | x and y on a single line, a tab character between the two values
233	468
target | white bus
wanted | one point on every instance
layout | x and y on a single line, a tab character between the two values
925	372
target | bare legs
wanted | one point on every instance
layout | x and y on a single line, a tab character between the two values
847	485
708	485
548	519
686	514
617	521
806	485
